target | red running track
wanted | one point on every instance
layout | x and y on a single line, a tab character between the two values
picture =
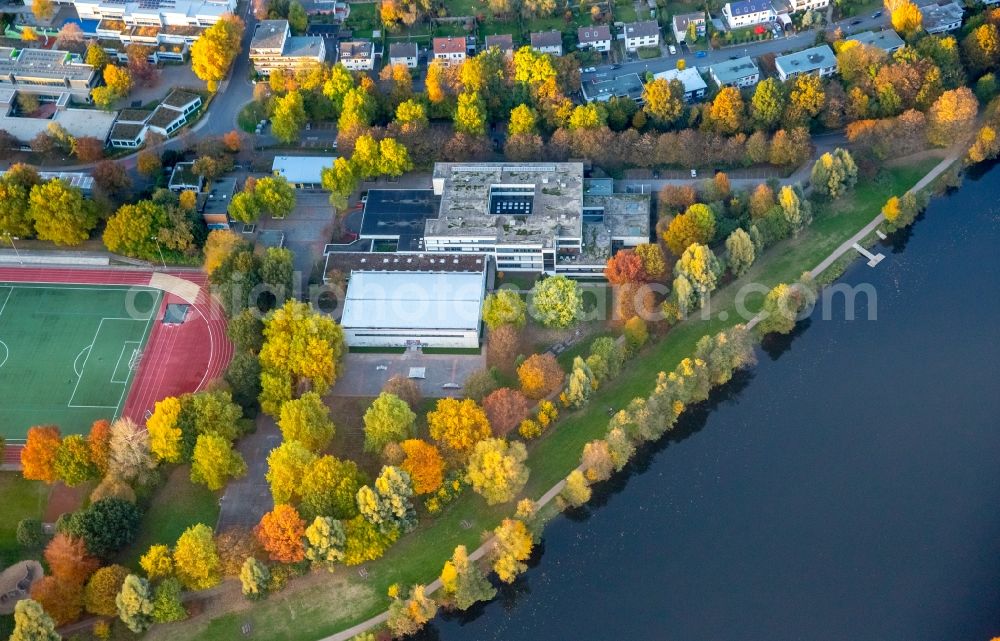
177	358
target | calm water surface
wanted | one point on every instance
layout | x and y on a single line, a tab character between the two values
845	489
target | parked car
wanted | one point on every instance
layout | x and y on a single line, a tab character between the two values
855	23
700	54
877	14
694	173
590	70
616	66
673	50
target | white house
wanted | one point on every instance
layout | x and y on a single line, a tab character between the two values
694	84
805	5
683	21
597	37
173	112
642	34
357	55
747	13
403	53
547	42
274	48
942	17
741	72
450	51
819	61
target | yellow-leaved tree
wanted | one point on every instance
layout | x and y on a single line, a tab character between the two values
511	549
196	560
458	424
213	52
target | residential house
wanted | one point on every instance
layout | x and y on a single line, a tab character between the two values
887	40
747	13
273	47
596	37
805	5
450	51
682	24
694	84
741	72
627	85
942	17
403	53
357	55
819	61
642	34
547	42
504	42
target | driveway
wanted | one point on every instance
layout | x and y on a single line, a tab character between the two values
363	377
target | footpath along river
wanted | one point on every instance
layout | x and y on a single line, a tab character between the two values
845	489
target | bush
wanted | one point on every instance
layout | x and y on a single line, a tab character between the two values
30	533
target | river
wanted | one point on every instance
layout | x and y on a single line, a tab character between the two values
844	489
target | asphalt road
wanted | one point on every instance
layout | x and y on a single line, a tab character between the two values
785	44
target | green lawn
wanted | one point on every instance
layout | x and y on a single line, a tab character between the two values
177	505
417	558
20	499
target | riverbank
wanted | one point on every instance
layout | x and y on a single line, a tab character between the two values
305	612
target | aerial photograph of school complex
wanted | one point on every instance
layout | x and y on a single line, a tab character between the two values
511	320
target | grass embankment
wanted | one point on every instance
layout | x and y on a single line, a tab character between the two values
305	613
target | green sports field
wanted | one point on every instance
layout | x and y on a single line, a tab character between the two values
68	353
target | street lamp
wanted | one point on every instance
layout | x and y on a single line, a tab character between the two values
157	241
11	240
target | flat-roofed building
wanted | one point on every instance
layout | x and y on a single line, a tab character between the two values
694	84
596	37
942	17
741	72
170	26
44	71
804	5
503	41
357	55
183	178
394	219
404	53
747	13
128	135
450	51
547	42
684	23
173	112
887	40
53	109
302	172
819	61
642	34
213	203
531	217
274	48
404	308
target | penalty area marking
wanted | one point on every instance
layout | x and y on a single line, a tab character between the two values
6	353
130	360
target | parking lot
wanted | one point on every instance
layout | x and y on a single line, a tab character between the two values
365	374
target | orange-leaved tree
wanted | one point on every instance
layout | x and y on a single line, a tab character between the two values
280	532
540	375
505	408
38	458
424	464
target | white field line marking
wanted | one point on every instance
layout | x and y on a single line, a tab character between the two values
145	337
120	356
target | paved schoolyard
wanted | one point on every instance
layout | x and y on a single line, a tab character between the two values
307	229
247	499
362	376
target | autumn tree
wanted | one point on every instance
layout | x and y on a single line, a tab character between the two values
307	420
167	604
325	539
31	623
496	469
102	588
540	375
576	491
15	189
470	115
663	101
557	302
196	560
625	267
408	616
301	350
148	163
458	424
286	466
329	487
388	420
523	120
726	112
254	578
38	456
134	604
129	457
214	462
157	562
68	559
512	547
505	408
695	225
405	388
796	210
834	174
424	464
700	270
389	505
900	212
73	464
280	532
581	382
740	252
504	307
61	214
61	600
212	54
464	582
906	17
951	116
768	103
289	117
